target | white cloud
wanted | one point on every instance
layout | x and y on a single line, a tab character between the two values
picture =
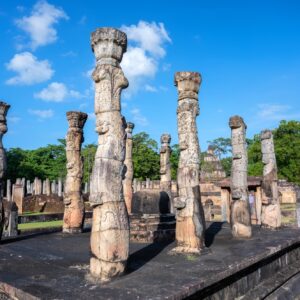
29	69
42	114
150	88
138	118
146	47
39	25
275	112
148	36
91	116
13	120
57	92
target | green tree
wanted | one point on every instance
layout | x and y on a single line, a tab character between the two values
146	161
222	146
88	153
174	159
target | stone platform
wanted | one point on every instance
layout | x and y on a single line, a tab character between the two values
53	266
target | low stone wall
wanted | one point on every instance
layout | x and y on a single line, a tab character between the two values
152	228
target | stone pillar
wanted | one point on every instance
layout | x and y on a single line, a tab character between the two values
86	188
190	222
110	227
240	217
59	187
53	187
258	205
37	184
127	182
165	167
134	185
225	205
28	187
138	186
8	190
4	107
147	183
74	205
18	194
47	187
271	213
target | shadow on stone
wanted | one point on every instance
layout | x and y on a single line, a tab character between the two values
211	232
141	257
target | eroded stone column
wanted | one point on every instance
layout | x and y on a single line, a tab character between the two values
74	206
240	217
165	166
110	227
271	213
190	222
4	107
127	182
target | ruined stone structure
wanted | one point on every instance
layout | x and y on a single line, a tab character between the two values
127	182
165	166
240	211
74	206
271	215
4	107
190	223
110	227
212	168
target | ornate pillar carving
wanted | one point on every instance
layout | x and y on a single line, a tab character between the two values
4	107
240	217
165	166
127	182
271	213
190	222
110	227
74	206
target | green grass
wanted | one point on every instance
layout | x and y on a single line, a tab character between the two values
31	213
36	225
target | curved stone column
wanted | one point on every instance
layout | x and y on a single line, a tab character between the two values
165	166
127	182
4	107
190	222
271	213
74	206
110	227
240	216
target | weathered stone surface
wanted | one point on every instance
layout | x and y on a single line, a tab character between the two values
37	186
271	214
110	228
190	222
4	107
240	210
165	167
127	182
74	206
18	194
151	202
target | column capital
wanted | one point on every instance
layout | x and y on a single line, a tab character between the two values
266	134
108	44
237	122
188	84
4	107
165	138
76	119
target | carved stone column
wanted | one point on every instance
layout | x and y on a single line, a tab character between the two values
4	107
165	166
190	222
240	217
271	213
127	182
74	206
110	227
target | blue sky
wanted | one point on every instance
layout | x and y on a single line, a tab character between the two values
248	53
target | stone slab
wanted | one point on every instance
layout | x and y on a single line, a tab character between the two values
54	266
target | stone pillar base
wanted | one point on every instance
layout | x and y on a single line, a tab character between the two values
72	230
104	271
241	231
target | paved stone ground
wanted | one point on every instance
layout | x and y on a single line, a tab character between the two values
54	266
